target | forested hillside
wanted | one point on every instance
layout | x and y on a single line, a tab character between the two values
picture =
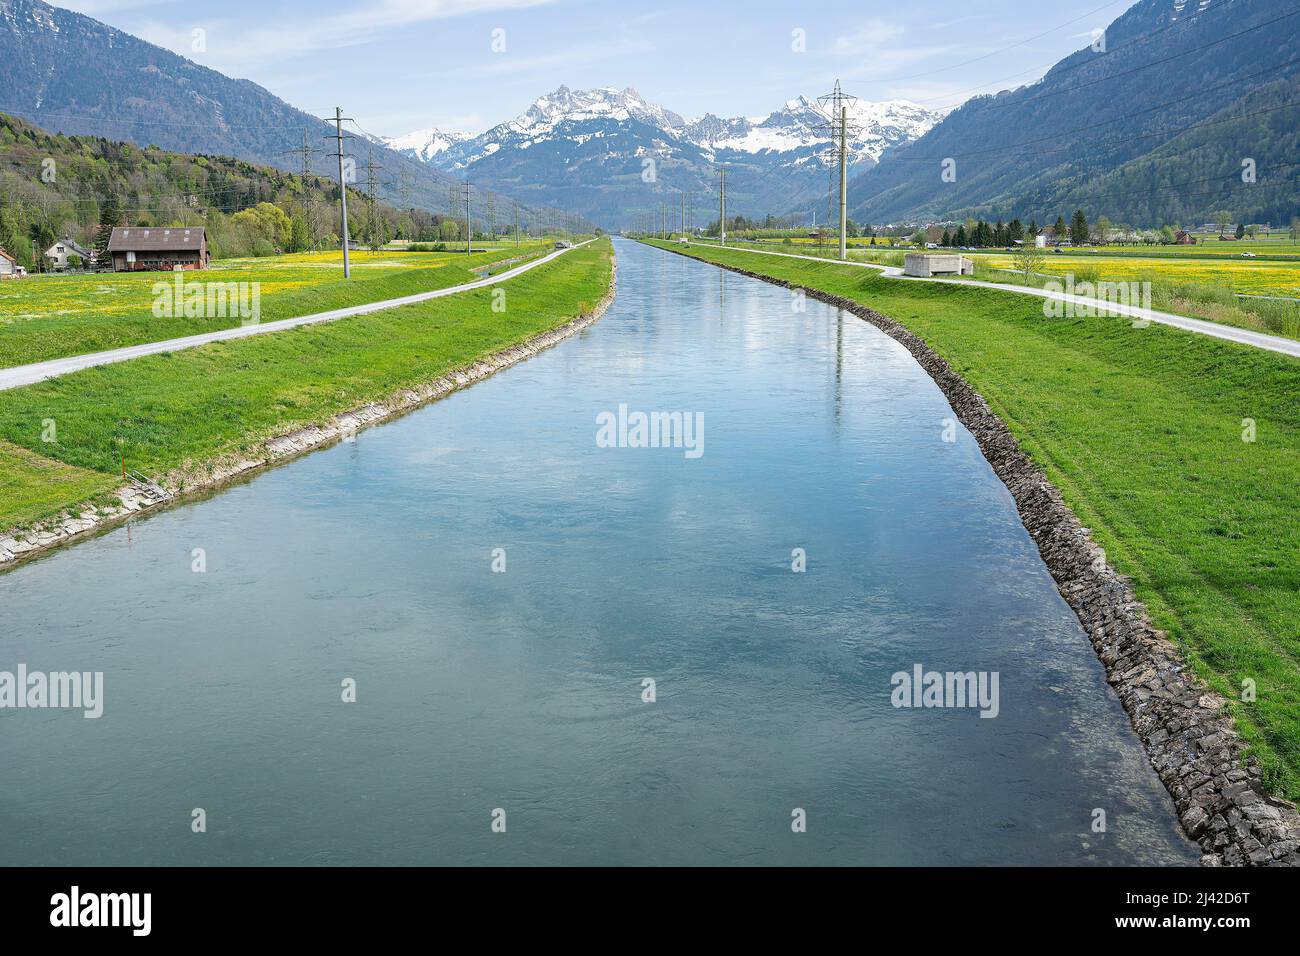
54	186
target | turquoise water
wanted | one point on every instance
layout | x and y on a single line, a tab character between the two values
523	690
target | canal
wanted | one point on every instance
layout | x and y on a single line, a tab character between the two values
639	655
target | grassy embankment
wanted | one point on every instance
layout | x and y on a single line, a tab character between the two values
1142	431
1198	286
180	409
47	317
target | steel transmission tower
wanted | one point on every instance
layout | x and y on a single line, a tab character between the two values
836	105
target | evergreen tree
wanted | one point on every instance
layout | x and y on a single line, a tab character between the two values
1079	228
102	260
110	211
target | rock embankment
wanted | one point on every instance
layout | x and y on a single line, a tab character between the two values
1192	743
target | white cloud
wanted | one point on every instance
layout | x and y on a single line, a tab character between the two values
868	37
238	44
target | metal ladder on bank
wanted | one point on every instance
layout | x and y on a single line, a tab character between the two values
152	490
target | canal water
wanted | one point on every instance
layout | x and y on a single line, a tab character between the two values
522	697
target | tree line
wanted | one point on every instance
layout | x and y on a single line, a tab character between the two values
56	187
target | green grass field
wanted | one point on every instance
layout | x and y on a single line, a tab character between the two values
1142	431
51	316
1204	288
182	409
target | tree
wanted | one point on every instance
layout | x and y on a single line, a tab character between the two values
961	239
299	236
1241	231
102	259
946	240
1295	228
110	211
1079	228
1028	259
1102	232
265	223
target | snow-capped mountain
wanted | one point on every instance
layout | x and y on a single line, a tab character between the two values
590	150
575	105
425	144
874	128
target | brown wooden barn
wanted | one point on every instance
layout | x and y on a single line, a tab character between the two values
155	249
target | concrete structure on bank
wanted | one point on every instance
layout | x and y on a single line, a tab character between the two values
919	264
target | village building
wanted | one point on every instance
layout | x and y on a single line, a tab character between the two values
1049	237
139	249
59	254
9	267
1184	238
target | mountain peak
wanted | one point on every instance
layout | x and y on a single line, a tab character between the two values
564	104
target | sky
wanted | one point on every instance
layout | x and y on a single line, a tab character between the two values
466	65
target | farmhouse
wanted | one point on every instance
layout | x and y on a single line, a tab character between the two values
137	249
61	251
9	267
1184	238
918	264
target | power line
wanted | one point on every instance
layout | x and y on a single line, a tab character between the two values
305	152
837	103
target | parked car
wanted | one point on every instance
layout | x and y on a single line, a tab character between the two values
562	244
1249	255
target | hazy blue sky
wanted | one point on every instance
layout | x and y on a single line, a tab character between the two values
397	65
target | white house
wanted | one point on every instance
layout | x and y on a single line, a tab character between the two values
61	251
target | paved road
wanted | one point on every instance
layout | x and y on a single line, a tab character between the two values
1261	340
39	371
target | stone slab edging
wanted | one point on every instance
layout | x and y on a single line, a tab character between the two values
1192	744
186	483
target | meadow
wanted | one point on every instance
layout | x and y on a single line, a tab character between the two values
1252	276
1179	451
51	316
1245	293
180	410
